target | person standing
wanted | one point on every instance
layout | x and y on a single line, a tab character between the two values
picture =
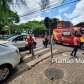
30	42
46	40
76	45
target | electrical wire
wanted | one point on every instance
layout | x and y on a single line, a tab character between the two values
36	11
41	9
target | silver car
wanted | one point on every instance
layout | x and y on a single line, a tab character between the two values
9	59
18	41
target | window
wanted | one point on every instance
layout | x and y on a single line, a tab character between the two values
20	38
24	37
66	33
82	30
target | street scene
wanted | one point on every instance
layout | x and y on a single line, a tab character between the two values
33	71
41	42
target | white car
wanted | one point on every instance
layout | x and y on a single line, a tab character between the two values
9	59
18	41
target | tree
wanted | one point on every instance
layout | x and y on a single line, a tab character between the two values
38	27
47	22
54	23
7	17
81	24
51	23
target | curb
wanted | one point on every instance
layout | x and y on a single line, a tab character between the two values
38	60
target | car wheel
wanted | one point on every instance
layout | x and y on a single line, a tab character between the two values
4	72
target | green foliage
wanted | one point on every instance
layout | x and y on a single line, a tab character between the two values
47	22
50	23
54	22
7	17
37	26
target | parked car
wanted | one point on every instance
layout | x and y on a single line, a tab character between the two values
19	41
5	37
9	59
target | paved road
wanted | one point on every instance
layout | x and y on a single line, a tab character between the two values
24	74
39	42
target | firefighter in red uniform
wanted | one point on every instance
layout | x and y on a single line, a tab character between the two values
76	45
30	42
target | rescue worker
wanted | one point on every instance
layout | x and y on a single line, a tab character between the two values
76	45
30	42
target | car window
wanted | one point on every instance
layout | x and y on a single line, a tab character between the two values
19	38
82	30
24	37
11	38
66	33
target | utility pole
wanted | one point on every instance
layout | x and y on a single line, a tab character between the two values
50	41
48	23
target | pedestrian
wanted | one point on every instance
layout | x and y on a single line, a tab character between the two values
30	42
76	45
46	40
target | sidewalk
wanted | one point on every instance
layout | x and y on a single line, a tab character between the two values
73	72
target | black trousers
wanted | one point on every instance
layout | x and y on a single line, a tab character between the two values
74	51
45	43
31	49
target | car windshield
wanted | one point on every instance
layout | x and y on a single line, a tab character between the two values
10	39
66	33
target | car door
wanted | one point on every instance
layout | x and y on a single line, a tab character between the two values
4	53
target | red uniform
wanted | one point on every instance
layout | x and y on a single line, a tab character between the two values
76	41
76	46
30	40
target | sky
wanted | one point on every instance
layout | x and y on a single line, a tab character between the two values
73	12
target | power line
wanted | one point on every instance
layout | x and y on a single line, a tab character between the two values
71	18
39	9
36	11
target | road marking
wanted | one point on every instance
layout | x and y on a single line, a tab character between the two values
25	52
38	52
35	61
64	54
